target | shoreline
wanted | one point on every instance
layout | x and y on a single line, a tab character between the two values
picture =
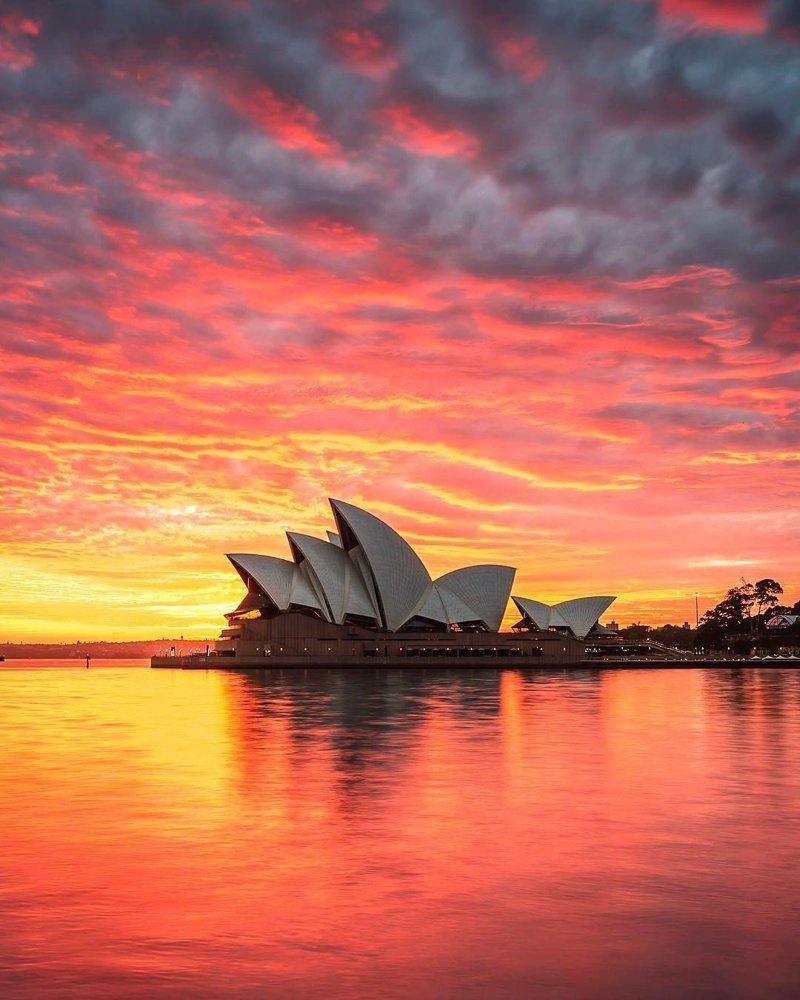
449	663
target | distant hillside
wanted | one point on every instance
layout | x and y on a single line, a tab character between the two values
116	650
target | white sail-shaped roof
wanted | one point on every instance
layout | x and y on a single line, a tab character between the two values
358	602
361	568
326	564
400	580
457	611
303	591
280	579
484	588
444	606
579	615
338	580
557	619
583	613
367	571
433	609
537	611
271	575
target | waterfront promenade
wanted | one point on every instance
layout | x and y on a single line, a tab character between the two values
202	662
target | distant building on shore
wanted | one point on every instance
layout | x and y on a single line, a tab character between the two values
782	621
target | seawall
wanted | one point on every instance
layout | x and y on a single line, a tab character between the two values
453	663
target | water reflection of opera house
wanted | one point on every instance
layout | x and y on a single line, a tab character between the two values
364	592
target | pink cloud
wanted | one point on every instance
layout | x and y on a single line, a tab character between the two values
726	15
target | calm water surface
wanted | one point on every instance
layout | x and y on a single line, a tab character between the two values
399	834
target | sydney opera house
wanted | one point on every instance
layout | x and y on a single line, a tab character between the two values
364	592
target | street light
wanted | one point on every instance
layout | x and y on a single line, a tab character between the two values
696	610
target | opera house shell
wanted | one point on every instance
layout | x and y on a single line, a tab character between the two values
363	590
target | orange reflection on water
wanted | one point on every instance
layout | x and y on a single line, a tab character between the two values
399	833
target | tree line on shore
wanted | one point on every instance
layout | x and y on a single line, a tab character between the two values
744	612
741	615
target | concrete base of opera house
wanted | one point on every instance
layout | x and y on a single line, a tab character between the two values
211	662
294	641
297	640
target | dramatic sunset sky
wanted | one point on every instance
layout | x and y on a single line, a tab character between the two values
520	277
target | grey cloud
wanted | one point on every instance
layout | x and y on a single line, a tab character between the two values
636	150
442	57
524	314
682	418
575	23
757	128
785	17
38	348
275	333
381	313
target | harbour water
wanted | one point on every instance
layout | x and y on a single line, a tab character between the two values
398	834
